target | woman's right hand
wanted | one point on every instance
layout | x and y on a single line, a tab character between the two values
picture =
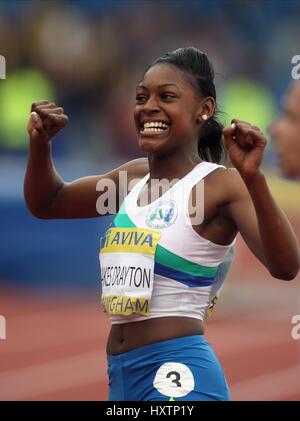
46	121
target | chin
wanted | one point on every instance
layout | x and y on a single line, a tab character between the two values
151	146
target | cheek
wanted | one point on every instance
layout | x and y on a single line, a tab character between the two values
184	122
136	113
290	135
280	127
289	147
294	145
282	133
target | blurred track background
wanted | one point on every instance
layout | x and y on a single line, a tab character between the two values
87	56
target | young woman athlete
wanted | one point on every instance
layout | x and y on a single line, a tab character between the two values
162	269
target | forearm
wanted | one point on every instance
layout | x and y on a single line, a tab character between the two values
278	240
42	182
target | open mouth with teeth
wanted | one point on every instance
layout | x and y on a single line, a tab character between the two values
154	127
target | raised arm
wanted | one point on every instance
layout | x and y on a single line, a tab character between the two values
46	194
261	222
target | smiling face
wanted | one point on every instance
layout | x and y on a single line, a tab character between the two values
286	133
167	112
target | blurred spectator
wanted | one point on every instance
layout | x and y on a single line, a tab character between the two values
286	132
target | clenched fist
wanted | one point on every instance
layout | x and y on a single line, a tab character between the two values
245	144
46	120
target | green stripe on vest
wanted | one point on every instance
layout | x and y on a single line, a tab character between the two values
164	256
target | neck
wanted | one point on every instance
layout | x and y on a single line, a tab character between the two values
171	166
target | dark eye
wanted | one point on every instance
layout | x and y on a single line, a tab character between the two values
141	99
167	96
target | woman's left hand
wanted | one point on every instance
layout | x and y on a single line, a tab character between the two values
245	144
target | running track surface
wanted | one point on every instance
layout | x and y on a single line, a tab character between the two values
55	347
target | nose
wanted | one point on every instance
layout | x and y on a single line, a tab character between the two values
151	105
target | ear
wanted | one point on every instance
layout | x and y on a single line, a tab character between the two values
206	108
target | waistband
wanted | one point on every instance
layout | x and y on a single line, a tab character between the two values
160	346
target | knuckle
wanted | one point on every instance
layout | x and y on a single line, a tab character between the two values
52	116
42	111
41	102
34	105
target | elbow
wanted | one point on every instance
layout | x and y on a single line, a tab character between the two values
36	209
287	274
40	215
37	212
287	270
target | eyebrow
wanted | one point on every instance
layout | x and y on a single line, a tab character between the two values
163	85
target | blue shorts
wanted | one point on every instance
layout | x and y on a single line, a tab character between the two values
180	369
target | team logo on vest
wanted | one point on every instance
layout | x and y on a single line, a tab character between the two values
162	215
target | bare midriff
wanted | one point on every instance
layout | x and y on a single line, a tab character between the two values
128	336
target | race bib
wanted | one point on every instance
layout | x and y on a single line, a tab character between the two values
127	270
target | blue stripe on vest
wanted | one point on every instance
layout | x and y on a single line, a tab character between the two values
185	278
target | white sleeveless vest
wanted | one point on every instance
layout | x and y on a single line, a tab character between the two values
153	263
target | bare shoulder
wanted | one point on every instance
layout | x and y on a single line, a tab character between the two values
227	184
136	168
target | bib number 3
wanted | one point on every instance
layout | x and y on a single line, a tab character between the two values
177	377
174	380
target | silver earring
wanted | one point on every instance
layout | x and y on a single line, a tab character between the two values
204	117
